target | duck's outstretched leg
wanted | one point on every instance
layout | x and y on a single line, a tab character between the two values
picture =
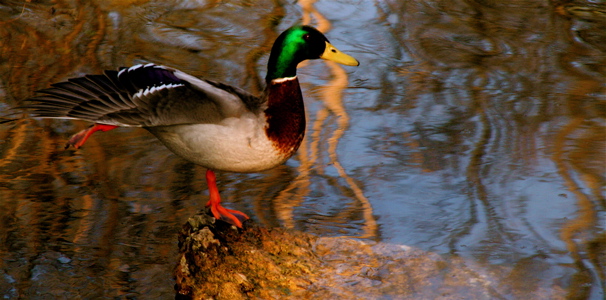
78	139
231	216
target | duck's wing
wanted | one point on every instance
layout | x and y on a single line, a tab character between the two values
142	96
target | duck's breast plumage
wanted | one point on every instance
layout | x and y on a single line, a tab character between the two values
285	114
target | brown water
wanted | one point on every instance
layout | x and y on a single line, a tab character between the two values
471	128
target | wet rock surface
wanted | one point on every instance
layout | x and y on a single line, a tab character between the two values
218	261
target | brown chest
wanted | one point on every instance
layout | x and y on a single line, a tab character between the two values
285	115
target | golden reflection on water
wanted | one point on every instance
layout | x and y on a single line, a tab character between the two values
333	100
581	139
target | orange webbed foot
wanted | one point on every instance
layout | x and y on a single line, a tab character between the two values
231	216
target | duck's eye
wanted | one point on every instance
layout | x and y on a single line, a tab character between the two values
306	36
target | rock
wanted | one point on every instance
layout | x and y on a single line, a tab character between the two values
219	261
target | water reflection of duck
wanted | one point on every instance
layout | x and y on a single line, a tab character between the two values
211	124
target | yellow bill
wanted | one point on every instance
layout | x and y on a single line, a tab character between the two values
332	53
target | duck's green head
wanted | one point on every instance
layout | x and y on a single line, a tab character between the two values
297	44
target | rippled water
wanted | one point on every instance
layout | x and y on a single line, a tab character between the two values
471	128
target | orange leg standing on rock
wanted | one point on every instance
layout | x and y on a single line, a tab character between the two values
219	212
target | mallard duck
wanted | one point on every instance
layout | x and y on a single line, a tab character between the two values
217	126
